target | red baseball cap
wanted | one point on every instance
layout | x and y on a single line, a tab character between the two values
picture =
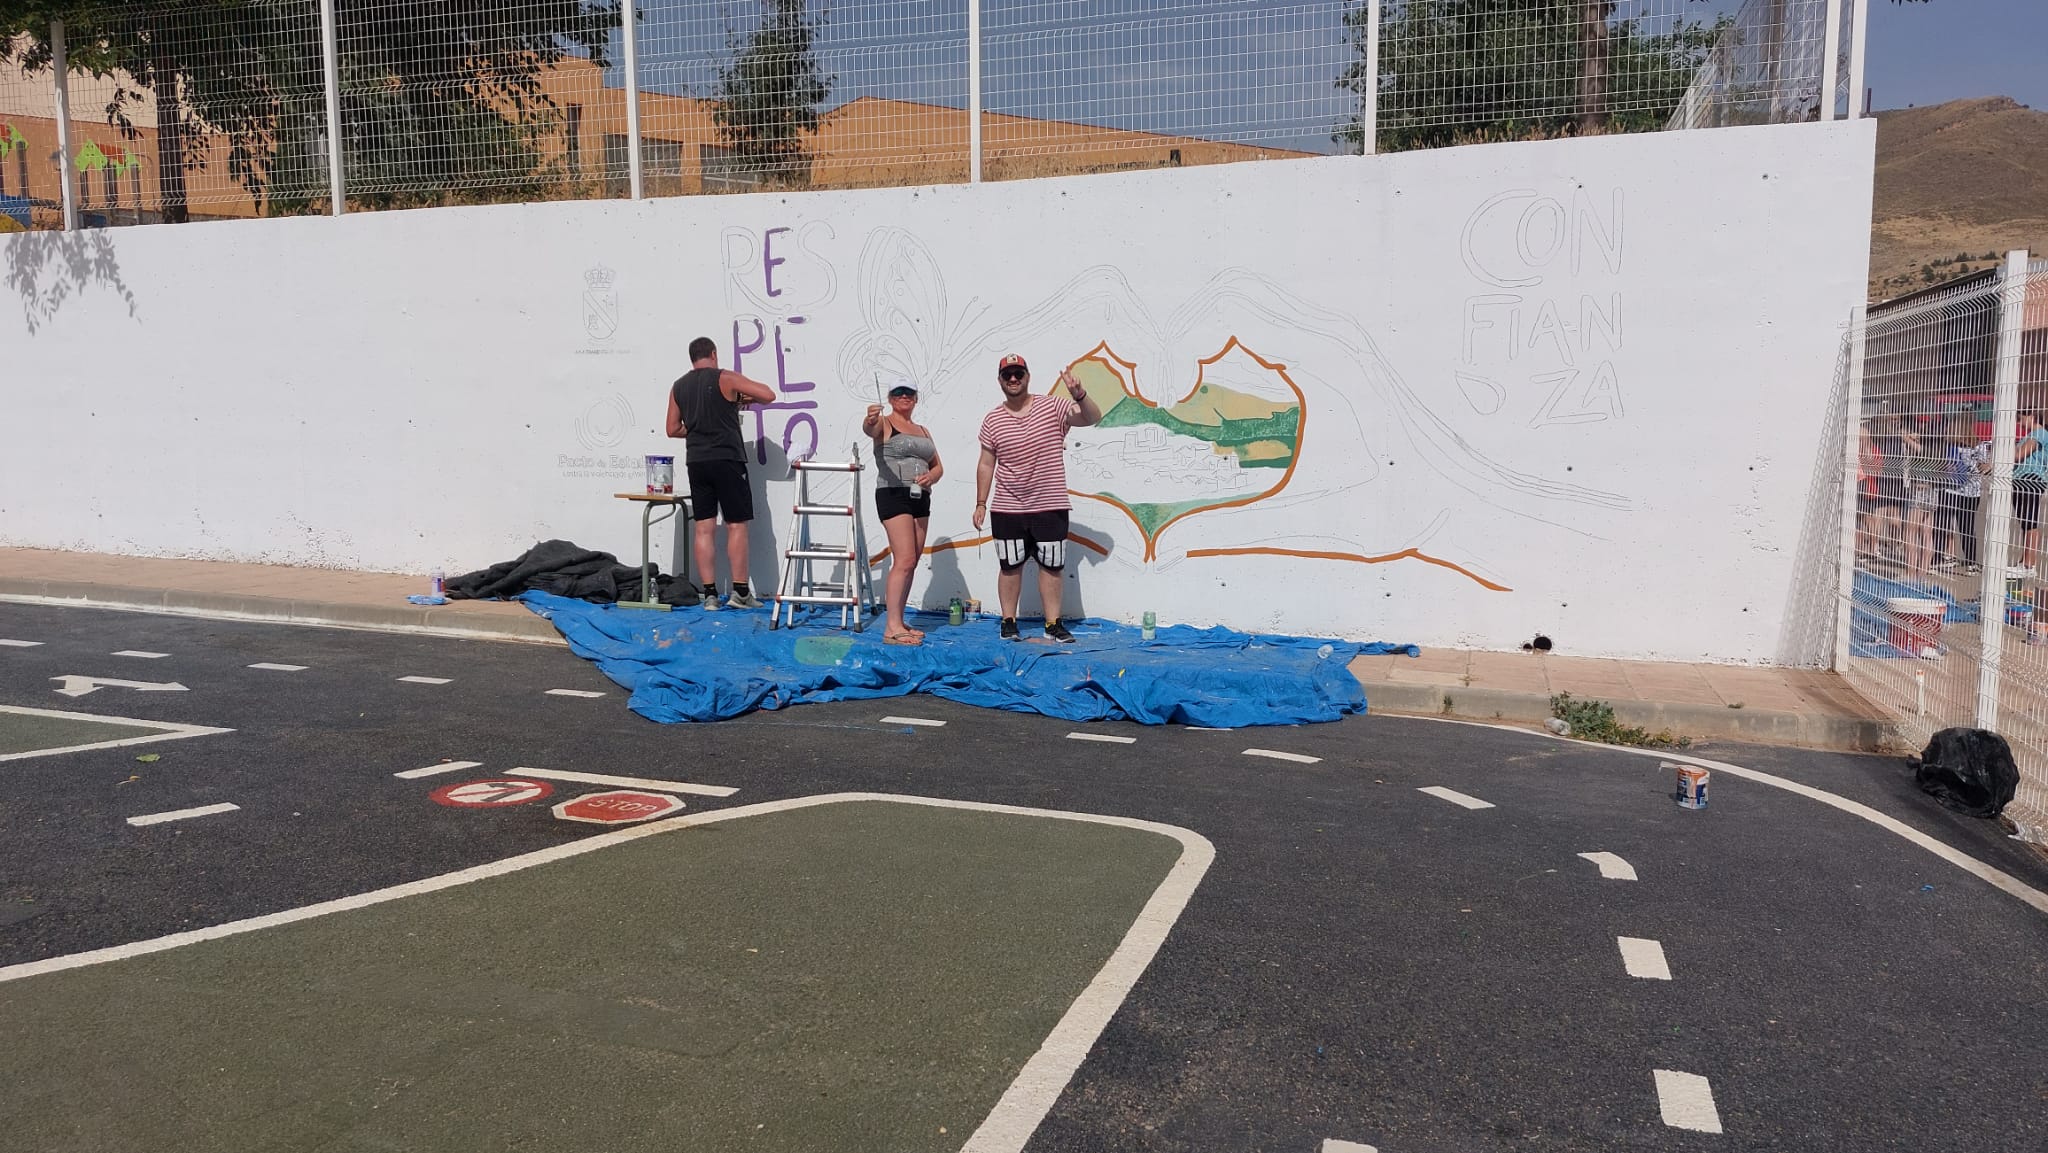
1012	361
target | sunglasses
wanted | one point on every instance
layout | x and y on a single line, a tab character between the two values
1014	374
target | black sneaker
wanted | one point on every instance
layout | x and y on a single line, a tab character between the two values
1054	630
1010	629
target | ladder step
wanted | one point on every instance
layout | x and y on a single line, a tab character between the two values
824	510
819	600
819	554
825	466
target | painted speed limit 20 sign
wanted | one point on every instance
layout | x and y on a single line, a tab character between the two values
491	794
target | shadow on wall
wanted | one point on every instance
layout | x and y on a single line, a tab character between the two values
1806	635
46	269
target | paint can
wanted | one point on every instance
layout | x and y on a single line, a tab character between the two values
1692	787
661	475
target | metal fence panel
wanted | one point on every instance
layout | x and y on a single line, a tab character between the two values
217	109
1948	614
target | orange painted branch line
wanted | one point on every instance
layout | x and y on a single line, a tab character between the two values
971	542
1404	554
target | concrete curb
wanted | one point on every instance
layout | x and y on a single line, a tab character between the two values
420	619
1810	730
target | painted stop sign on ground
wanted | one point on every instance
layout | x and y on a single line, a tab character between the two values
491	794
618	807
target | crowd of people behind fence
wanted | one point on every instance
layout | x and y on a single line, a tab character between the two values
1920	484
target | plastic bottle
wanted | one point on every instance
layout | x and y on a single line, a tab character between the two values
1150	628
437	583
955	614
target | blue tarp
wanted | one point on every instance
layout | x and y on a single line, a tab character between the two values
1869	626
692	665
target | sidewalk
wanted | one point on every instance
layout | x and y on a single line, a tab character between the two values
1777	706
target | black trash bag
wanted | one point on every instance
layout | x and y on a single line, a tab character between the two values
1970	771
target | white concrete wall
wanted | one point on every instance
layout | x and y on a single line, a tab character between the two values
1571	386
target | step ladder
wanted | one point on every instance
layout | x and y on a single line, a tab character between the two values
800	585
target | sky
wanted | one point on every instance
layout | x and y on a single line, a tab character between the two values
1948	49
1254	71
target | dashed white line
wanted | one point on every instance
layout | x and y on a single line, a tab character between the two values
182	814
424	680
1332	1145
1612	868
139	654
626	782
1105	738
1643	958
585	693
431	770
1455	797
1275	754
279	668
919	721
6	643
1687	1101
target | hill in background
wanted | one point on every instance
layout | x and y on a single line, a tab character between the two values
1964	179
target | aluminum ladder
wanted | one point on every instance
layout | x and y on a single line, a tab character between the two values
800	584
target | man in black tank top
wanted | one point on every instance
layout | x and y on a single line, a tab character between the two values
704	412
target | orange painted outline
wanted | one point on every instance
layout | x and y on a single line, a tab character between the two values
970	542
1404	554
1102	351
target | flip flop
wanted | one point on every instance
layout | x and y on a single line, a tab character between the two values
903	639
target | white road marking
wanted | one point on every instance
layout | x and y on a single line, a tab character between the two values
1204	729
164	731
1612	868
919	721
431	770
586	693
279	668
424	680
1687	1101
143	655
1643	958
1997	878
183	814
77	686
1455	797
625	782
1105	738
1275	754
1332	1145
1022	1106
5	643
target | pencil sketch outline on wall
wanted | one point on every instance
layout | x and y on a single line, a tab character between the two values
907	327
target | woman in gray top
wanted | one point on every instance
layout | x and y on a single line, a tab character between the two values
906	467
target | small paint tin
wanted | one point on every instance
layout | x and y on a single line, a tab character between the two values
661	475
1692	787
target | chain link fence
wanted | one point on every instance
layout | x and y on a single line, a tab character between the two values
1947	612
216	109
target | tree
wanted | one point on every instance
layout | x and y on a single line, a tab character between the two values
1454	71
768	97
433	97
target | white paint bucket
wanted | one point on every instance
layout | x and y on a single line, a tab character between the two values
1916	624
661	475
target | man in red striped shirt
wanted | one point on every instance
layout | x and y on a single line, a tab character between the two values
1024	467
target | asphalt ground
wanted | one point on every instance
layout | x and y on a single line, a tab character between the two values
1363	962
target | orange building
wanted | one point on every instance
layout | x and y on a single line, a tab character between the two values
869	142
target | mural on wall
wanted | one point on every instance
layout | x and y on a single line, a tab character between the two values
1244	401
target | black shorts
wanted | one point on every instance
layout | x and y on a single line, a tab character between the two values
719	488
897	501
1891	490
2026	503
1022	536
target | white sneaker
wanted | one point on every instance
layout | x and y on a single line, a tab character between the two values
744	601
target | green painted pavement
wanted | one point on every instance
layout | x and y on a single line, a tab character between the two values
24	732
862	976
